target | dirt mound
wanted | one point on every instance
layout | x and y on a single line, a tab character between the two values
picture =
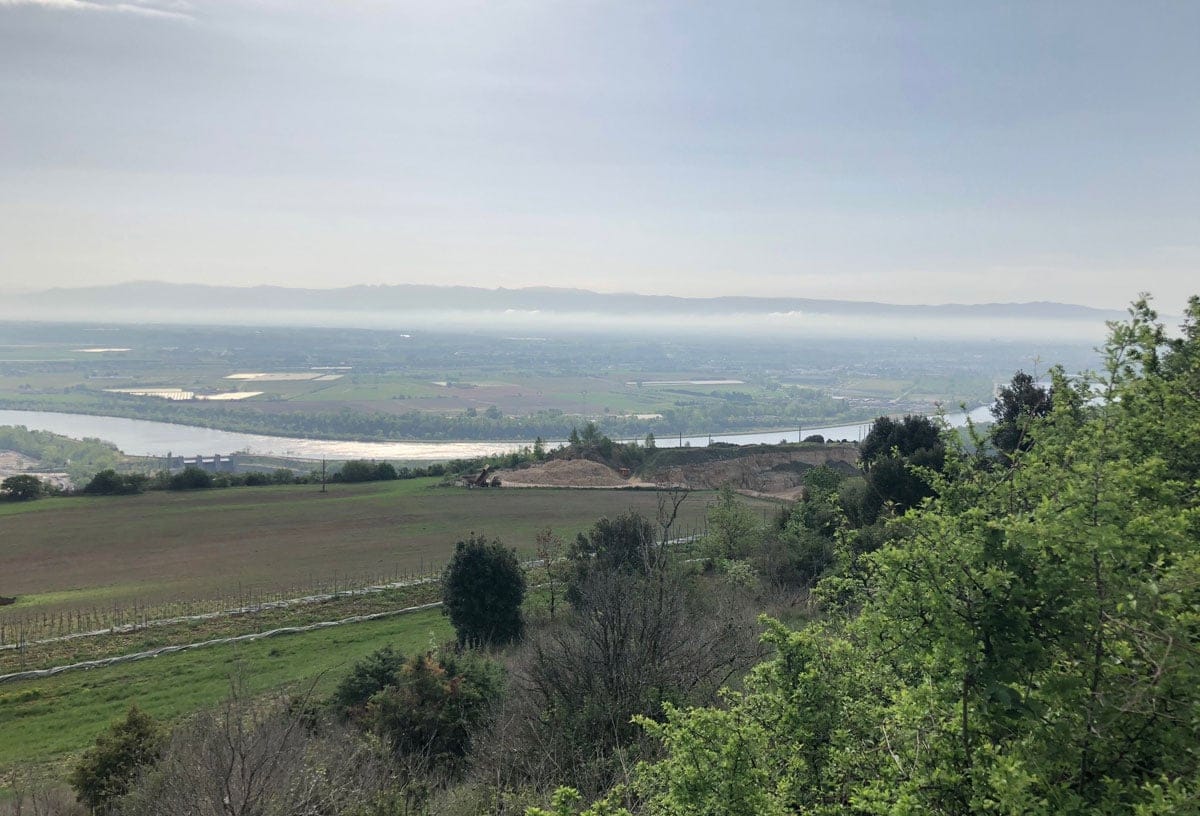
758	469
565	473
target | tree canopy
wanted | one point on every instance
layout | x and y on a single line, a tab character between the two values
889	454
482	590
22	487
1018	404
624	544
1024	643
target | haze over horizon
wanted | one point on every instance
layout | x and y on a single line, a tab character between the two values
952	153
599	290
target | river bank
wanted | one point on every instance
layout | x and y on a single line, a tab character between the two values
138	437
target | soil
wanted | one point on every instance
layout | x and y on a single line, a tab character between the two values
12	463
566	473
776	474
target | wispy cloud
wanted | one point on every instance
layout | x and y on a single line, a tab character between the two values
166	9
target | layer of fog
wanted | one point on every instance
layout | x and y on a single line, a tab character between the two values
792	324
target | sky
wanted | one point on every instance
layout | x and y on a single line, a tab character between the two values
916	152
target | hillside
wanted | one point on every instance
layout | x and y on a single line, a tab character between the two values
776	470
773	469
157	297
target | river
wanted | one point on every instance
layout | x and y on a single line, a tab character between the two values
139	437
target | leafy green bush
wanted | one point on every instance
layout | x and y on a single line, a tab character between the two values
190	478
482	590
434	705
369	676
110	483
22	487
107	770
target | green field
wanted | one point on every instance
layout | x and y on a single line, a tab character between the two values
91	553
87	555
44	722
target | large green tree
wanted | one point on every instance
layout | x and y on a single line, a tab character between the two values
22	487
482	590
1018	405
625	544
896	457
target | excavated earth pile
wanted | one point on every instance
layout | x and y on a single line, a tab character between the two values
770	472
761	469
565	473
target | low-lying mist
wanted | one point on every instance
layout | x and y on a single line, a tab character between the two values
791	324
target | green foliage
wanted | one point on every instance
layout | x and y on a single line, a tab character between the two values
369	676
854	497
904	438
190	478
1017	406
434	704
894	454
593	444
362	470
110	483
822	480
106	770
625	545
809	552
803	544
22	487
1023	643
482	590
734	532
567	802
79	457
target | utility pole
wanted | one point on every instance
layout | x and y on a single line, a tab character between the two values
322	475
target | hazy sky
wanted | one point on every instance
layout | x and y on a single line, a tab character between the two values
906	151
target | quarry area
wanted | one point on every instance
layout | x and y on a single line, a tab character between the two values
775	471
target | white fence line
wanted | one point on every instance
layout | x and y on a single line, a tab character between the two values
33	674
126	628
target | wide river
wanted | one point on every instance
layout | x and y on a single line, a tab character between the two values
138	437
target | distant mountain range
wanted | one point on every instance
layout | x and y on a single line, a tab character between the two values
151	296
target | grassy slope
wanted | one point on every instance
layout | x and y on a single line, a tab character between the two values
109	550
47	721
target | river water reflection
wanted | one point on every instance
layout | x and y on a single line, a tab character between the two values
138	437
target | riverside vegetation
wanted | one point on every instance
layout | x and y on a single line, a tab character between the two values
1006	625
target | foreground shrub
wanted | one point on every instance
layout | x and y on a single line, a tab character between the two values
107	769
251	757
430	712
482	590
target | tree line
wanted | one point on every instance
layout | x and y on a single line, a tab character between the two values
712	413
